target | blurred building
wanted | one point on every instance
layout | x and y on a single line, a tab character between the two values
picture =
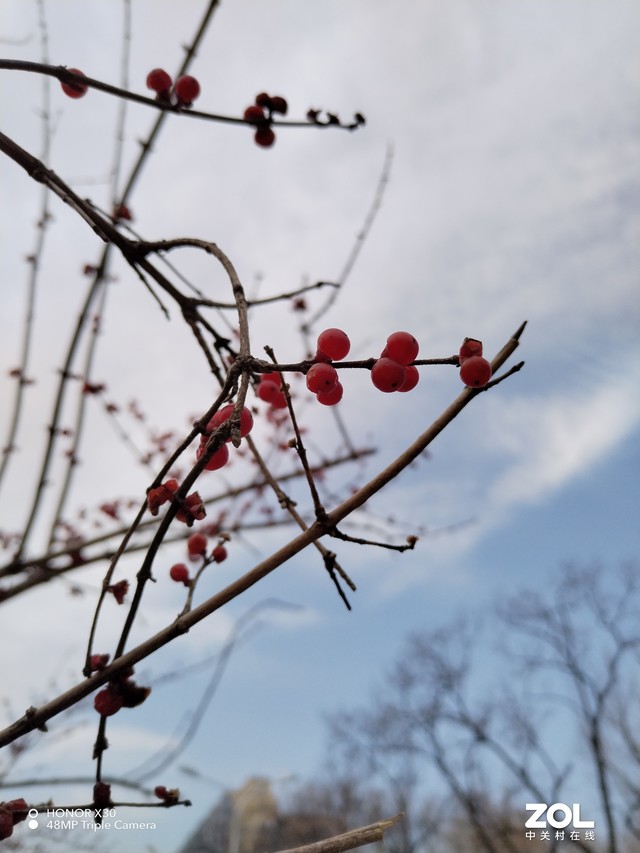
249	820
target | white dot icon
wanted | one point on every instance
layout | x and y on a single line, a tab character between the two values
33	823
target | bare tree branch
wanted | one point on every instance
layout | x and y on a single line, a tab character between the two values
349	840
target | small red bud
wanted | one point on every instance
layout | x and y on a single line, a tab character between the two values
187	90
75	89
279	105
107	702
264	137
254	114
180	574
119	590
98	662
219	554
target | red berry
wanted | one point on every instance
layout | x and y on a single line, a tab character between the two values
107	702
219	458
187	90
254	114
475	371
334	343
159	81
192	503
263	100
411	378
196	545
322	377
160	495
274	376
75	89
6	823
387	375
268	391
246	419
155	499
470	346
264	137
330	398
279	401
180	574
402	347
18	808
97	662
122	212
219	553
169	795
279	105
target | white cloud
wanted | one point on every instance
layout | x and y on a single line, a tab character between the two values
560	438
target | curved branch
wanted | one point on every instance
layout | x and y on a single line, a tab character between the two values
64	75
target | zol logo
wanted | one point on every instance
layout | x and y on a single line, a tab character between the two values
544	814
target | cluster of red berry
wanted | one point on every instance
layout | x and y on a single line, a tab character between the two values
197	547
12	812
167	795
183	93
322	377
261	114
393	371
191	510
475	371
220	457
122	692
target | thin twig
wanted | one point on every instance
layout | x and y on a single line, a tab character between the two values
34	258
409	545
360	240
299	443
288	504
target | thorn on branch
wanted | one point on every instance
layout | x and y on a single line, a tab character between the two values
332	119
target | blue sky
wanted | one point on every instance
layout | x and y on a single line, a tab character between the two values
513	196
